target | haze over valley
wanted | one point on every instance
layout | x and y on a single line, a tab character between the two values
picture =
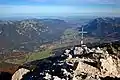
60	40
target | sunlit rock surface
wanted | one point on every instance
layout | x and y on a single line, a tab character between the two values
18	75
108	66
80	63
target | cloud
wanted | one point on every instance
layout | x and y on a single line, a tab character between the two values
55	7
79	1
39	0
104	1
24	9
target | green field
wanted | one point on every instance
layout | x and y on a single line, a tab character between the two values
40	55
27	57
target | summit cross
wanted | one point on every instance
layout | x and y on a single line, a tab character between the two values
82	35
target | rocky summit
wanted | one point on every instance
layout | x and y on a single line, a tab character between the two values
76	63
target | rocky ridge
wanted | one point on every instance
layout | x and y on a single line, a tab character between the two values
78	63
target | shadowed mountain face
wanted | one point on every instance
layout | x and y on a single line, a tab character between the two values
30	32
104	27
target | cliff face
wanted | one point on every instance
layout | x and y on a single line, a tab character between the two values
81	62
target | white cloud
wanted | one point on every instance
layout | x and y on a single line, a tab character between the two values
79	1
53	10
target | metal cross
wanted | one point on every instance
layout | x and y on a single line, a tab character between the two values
82	34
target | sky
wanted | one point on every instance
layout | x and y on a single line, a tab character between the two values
59	8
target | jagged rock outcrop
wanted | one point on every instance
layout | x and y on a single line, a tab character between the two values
108	67
97	66
89	64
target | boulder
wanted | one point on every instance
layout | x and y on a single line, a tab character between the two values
67	51
109	67
47	76
78	51
56	78
18	75
69	56
90	70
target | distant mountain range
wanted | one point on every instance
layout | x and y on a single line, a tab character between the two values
103	27
30	32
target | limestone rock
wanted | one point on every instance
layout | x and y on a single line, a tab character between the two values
108	66
78	51
56	78
18	75
47	76
80	63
